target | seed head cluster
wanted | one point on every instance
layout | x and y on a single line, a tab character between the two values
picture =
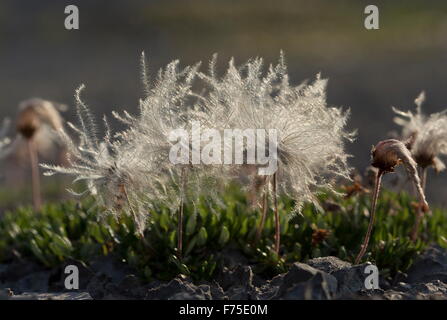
130	170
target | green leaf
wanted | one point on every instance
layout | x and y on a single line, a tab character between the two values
191	245
202	237
224	236
191	224
164	221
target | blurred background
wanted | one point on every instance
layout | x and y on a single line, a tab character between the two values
369	70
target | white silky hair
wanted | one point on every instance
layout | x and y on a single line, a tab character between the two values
106	165
311	146
428	132
312	135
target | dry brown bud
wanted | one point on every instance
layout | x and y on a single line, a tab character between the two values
388	154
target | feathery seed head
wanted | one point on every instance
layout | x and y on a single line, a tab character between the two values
112	169
426	136
311	135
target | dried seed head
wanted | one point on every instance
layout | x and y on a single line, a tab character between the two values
106	166
28	123
34	113
311	134
388	154
425	135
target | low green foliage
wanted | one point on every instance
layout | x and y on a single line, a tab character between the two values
70	230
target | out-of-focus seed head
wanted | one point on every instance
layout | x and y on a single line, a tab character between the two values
35	113
28	123
424	135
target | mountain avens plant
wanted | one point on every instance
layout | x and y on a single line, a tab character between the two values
310	134
426	137
135	169
386	155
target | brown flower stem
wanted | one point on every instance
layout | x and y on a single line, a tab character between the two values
180	216
364	246
419	214
277	222
264	211
35	176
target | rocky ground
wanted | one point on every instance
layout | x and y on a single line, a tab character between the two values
320	278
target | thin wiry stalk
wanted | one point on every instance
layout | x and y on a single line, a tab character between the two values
180	215
419	213
371	218
277	222
35	176
264	211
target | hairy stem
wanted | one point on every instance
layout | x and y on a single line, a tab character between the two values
132	211
420	213
277	222
264	211
35	176
371	217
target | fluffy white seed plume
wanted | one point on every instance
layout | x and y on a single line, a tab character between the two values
165	109
311	135
112	169
426	135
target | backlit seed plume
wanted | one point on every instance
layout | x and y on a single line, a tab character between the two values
304	135
166	108
426	135
112	169
311	134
